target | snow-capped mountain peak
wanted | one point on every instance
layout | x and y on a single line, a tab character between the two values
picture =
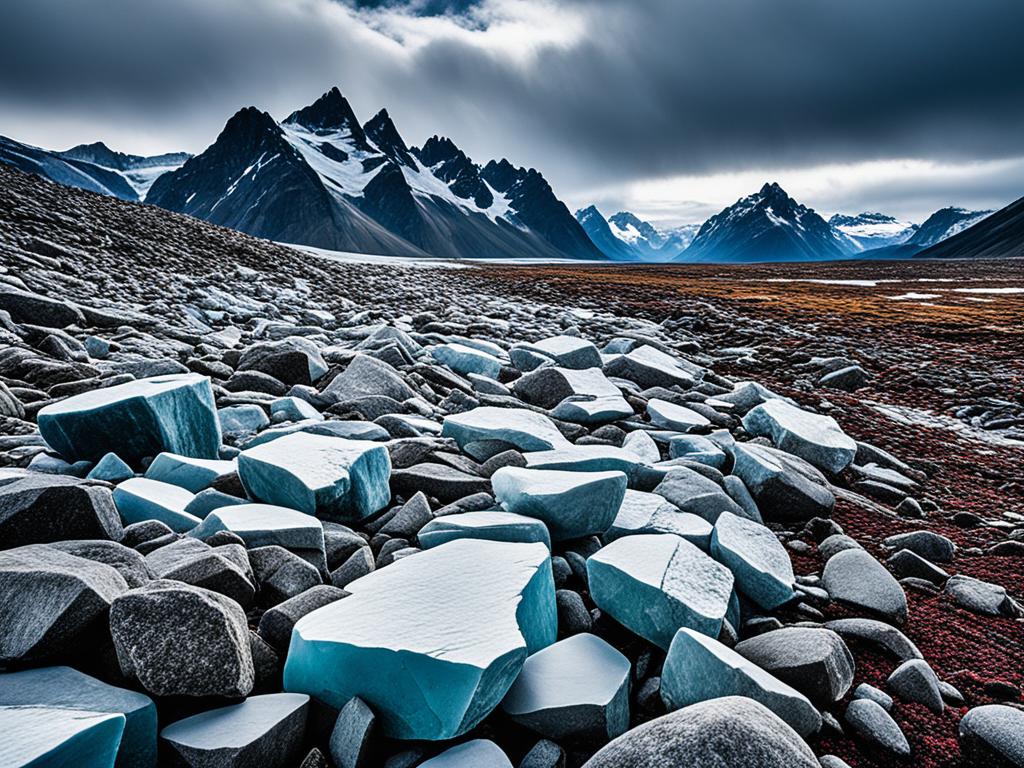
872	230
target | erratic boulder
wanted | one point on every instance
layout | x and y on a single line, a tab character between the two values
814	661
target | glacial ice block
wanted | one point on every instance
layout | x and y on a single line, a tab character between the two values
491	524
141	418
433	641
67	688
758	561
653	584
466	360
642	512
41	737
186	472
139	498
320	475
571	504
516	427
261	525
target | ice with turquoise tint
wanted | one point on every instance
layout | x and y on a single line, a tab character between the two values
466	360
433	641
138	499
653	584
47	737
520	428
175	413
571	504
110	468
294	409
262	525
698	668
186	472
642	512
478	753
67	688
320	475
492	524
758	561
577	687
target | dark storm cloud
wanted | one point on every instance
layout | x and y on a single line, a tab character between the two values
631	90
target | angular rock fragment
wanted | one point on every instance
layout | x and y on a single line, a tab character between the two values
350	738
437	480
281	574
186	472
465	360
494	525
587	458
786	488
367	376
293	360
276	623
730	731
128	562
690	491
139	499
265	730
260	525
571	504
174	413
432	642
67	688
699	668
815	438
649	367
194	562
110	468
876	726
480	430
177	639
566	351
915	680
577	687
326	476
649	513
54	736
38	509
653	584
675	417
759	563
814	661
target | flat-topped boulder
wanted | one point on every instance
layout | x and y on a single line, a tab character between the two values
492	524
853	576
699	668
54	736
649	513
67	688
759	563
465	360
565	351
187	472
580	396
487	430
678	418
266	731
786	488
577	687
648	367
811	436
433	641
653	584
174	413
571	504
49	598
37	509
139	499
732	731
260	525
319	475
587	458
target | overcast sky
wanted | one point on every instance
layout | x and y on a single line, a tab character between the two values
670	108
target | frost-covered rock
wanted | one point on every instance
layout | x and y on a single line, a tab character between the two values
579	396
811	436
494	525
649	513
67	688
327	476
571	504
759	563
786	488
265	731
697	448
587	458
222	569
675	417
174	413
433	641
139	499
186	472
240	420
465	360
565	351
653	584
730	731
37	508
111	468
853	576
699	668
260	525
293	409
577	687
367	376
992	732
485	431
690	491
813	660
649	367
54	736
478	753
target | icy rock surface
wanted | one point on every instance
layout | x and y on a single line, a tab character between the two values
186	472
141	418
479	753
811	436
494	525
139	499
758	561
432	642
514	427
50	736
649	513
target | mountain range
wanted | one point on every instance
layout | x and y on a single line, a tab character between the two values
321	178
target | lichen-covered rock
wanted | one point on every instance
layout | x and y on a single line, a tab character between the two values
141	418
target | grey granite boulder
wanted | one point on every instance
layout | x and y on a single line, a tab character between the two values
814	661
786	488
875	726
914	680
38	509
195	562
993	732
128	562
855	577
293	360
691	492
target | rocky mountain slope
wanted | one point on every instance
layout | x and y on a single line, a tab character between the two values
320	178
991	235
140	171
873	230
601	234
625	234
766	226
471	520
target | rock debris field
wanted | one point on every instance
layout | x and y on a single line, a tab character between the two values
263	509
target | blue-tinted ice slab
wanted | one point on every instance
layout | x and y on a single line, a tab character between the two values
466	360
494	525
139	498
653	584
433	641
671	416
758	561
478	753
642	512
518	427
141	418
261	525
319	475
186	472
699	668
571	504
46	737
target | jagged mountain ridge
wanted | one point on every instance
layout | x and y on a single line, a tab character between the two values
991	236
361	188
766	226
945	223
625	237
